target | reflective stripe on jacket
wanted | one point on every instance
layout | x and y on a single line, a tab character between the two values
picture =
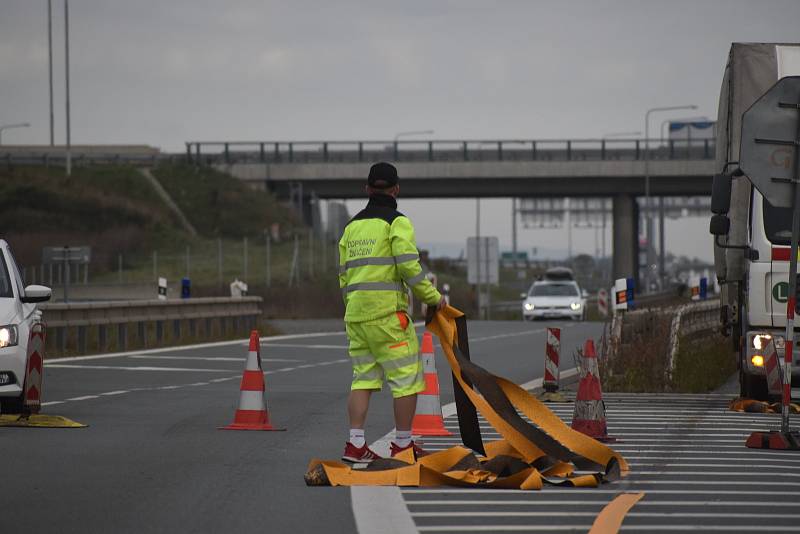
379	261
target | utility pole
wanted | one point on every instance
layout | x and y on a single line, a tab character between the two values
50	66
514	229
66	76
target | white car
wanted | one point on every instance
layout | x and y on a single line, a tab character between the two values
18	314
548	299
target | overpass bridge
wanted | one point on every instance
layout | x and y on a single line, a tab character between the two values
493	168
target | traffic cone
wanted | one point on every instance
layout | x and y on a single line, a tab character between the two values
428	420
589	416
252	412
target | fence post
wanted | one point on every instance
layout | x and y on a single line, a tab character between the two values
197	154
188	153
227	154
533	150
500	150
430	150
569	150
466	153
291	152
311	253
603	149
119	267
261	152
155	264
360	151
268	270
325	151
219	262
396	152
245	259
637	149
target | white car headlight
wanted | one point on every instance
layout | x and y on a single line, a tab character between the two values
8	335
760	341
575	306
528	306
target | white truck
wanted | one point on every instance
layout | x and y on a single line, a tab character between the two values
751	251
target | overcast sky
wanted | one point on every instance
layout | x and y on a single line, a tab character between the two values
162	73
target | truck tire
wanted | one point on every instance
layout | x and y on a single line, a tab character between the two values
753	386
11	405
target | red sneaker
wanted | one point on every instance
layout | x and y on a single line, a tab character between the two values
418	451
364	455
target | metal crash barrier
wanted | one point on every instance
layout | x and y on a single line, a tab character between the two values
96	327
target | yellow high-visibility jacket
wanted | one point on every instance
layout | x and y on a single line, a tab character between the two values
379	261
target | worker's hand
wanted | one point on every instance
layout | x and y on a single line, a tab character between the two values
442	303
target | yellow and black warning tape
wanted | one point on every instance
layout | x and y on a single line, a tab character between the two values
740	404
533	452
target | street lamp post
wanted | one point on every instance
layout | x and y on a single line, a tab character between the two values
66	80
412	132
9	126
648	210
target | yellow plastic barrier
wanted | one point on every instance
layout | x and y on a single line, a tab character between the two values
544	450
39	421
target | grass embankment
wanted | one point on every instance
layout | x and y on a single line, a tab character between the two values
641	361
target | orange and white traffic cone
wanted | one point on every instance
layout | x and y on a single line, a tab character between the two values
589	416
428	420
252	412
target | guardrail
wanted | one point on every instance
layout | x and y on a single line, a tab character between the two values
210	152
686	322
102	326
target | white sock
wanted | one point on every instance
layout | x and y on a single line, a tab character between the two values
357	437
402	438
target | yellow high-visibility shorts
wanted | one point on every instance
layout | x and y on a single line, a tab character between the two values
386	348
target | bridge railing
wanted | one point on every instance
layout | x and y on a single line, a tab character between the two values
210	152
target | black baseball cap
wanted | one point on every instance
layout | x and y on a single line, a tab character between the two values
382	175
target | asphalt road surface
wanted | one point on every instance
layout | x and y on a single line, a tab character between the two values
153	460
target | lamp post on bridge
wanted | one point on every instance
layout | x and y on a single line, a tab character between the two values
9	126
648	211
398	135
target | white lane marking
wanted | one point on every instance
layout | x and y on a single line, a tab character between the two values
268	345
583	527
171	387
599	502
380	510
594	491
140	368
239	342
593	514
511	334
117	392
736	465
192	358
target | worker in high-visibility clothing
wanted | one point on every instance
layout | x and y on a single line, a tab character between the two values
378	263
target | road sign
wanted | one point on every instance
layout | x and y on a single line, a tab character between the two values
66	254
769	141
780	292
483	259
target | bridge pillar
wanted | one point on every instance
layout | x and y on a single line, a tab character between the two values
626	237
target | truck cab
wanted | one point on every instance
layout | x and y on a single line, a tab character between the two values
751	236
